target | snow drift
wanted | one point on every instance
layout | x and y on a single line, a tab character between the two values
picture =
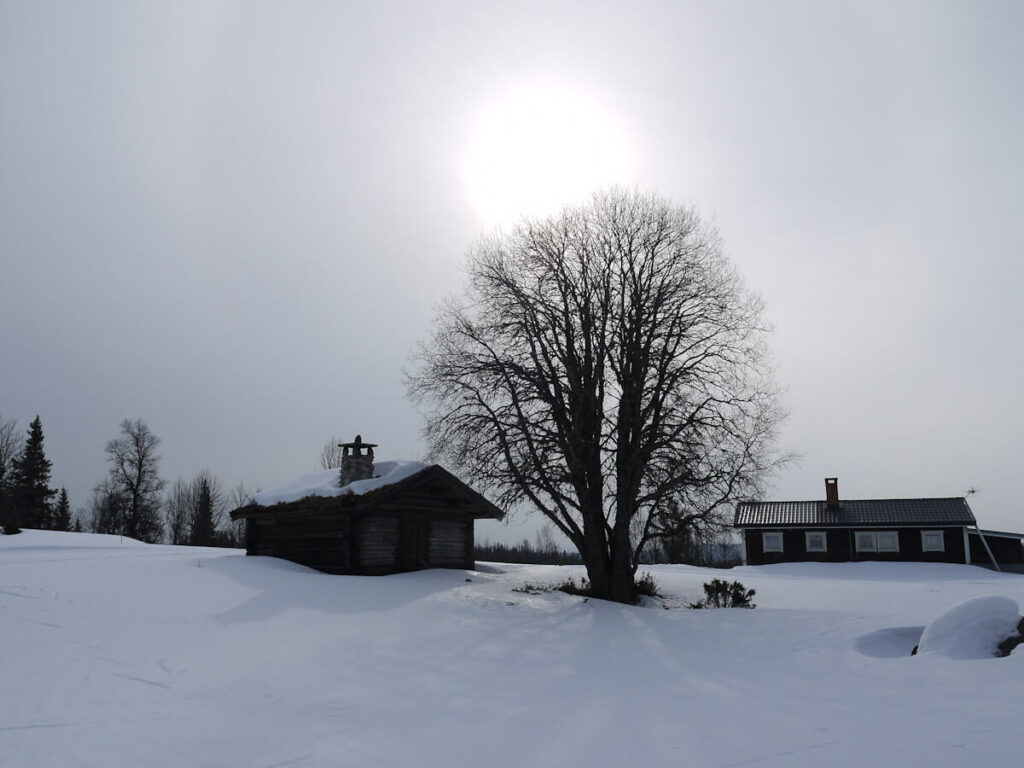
971	630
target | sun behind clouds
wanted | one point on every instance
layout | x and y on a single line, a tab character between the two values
539	146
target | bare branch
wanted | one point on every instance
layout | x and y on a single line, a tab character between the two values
609	367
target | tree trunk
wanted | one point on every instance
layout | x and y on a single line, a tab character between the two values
622	573
609	564
595	558
622	569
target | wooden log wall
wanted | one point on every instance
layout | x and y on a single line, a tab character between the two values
378	542
448	543
323	547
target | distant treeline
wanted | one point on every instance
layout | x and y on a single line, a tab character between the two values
129	501
717	554
524	552
134	500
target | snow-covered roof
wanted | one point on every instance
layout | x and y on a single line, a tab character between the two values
327	483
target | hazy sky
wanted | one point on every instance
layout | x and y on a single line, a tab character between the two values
233	220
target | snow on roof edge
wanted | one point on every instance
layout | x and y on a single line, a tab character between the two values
326	483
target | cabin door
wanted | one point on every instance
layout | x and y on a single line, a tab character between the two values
413	543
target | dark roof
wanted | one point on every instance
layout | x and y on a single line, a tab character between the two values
953	511
431	480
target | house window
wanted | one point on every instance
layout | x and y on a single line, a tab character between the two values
888	541
866	542
933	541
877	541
816	541
772	541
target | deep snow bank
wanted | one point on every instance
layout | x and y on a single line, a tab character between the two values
971	630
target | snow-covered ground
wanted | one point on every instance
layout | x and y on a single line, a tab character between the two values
120	654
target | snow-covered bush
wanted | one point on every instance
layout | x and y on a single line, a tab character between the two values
974	629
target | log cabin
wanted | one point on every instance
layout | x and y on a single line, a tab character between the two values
368	519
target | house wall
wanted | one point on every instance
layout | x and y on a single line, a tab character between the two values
1007	550
841	546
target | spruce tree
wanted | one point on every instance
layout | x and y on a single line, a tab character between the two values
31	492
202	519
62	512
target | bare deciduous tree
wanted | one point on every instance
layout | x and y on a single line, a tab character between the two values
330	456
11	442
234	531
106	509
544	541
134	478
178	509
609	367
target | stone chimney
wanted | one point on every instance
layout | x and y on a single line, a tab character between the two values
832	492
356	465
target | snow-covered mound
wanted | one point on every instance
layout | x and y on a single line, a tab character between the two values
119	654
327	483
971	630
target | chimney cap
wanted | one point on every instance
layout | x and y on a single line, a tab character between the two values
357	443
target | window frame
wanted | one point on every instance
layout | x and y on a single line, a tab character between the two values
764	541
942	541
878	541
824	541
856	541
875	544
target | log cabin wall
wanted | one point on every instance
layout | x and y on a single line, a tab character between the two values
320	544
425	521
377	544
448	543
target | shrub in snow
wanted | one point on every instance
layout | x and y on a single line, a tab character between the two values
645	586
569	586
719	593
1006	647
974	629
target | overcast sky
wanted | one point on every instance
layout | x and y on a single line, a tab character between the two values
233	220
